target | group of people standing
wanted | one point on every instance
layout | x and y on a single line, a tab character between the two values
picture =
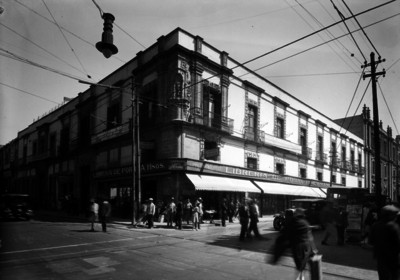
99	213
174	213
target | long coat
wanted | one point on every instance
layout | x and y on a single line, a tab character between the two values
297	236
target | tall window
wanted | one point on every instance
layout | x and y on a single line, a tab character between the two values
212	105
320	148
303	137
303	173
252	121
343	155
280	128
113	115
319	176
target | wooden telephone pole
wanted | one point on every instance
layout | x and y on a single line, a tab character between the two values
377	149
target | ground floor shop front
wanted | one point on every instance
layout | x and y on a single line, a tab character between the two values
184	179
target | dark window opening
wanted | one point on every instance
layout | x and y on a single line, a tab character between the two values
280	168
251	163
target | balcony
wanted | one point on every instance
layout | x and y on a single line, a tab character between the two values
210	119
110	133
319	156
307	152
335	162
250	133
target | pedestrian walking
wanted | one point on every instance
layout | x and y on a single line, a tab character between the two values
195	217
179	214
171	212
151	210
341	225
93	213
297	236
385	238
188	210
254	214
370	220
201	211
142	214
244	218
105	212
224	212
231	211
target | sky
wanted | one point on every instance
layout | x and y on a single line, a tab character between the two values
46	46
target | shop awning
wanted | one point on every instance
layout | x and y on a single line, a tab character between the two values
284	189
215	183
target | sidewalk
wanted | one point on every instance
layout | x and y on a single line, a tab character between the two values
351	261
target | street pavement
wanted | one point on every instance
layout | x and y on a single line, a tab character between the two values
213	252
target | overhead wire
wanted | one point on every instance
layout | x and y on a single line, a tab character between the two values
390	112
316	46
63	28
342	18
296	41
43	49
119	27
14	56
343	31
27	92
359	25
330	35
66	40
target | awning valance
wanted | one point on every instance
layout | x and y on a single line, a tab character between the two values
215	183
284	189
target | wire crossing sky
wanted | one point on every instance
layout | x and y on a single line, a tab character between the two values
311	74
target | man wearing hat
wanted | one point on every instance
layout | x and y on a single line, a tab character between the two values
385	237
151	210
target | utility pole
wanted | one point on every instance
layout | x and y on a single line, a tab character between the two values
134	211
136	165
374	75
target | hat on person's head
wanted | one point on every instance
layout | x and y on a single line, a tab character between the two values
172	198
389	211
200	199
299	212
150	199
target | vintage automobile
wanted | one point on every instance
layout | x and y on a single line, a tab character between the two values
15	207
312	208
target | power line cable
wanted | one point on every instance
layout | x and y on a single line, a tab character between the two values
342	18
63	28
330	35
390	112
119	27
311	74
359	25
296	41
11	55
40	47
32	94
65	38
316	46
343	31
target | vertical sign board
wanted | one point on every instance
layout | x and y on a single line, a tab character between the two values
355	221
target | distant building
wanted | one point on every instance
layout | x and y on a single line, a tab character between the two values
363	127
208	127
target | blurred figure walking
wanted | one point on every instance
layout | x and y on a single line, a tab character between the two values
105	212
297	236
385	238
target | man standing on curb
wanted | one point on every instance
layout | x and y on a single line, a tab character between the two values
151	210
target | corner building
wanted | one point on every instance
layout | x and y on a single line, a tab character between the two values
205	126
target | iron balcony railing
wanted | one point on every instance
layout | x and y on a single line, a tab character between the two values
305	151
319	156
210	119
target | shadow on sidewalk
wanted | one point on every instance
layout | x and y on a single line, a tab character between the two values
350	255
